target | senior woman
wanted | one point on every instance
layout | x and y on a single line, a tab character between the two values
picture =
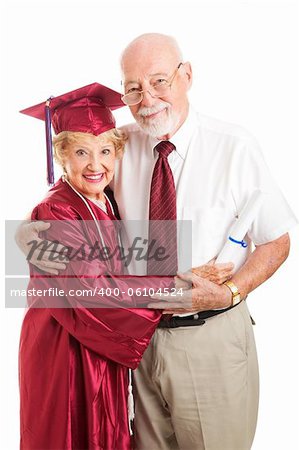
75	355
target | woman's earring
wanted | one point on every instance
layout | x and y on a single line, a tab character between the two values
64	175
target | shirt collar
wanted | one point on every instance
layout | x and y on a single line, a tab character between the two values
182	137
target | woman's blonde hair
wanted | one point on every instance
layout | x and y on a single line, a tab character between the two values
65	138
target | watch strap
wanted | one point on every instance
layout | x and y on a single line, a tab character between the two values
236	296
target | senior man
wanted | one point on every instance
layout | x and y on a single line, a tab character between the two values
197	385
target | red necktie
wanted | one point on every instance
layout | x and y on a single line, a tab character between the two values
162	216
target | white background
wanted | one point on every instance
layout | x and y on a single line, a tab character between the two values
245	62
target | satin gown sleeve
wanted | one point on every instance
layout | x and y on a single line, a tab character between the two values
110	326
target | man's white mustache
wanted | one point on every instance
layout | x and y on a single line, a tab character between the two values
143	112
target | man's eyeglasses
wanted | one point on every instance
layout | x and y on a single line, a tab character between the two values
158	88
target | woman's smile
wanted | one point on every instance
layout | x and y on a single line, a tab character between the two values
94	178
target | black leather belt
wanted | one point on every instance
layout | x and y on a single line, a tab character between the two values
191	321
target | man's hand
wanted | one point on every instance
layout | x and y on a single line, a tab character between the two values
28	232
204	295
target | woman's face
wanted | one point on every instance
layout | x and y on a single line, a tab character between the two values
89	164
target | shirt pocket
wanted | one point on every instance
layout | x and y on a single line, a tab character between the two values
210	229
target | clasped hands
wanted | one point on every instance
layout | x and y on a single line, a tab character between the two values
201	289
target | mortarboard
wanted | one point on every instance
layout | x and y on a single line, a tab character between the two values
87	110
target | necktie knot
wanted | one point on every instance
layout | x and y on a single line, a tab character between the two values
164	148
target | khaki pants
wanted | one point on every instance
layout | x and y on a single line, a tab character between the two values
197	387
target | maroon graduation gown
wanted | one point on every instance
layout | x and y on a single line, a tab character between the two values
73	361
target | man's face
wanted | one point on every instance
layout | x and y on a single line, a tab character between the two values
159	115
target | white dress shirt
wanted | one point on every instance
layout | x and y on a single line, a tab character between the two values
216	166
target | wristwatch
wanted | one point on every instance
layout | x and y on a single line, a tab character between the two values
236	296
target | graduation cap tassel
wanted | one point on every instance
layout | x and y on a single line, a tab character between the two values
50	166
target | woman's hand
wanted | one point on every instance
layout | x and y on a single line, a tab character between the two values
182	284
